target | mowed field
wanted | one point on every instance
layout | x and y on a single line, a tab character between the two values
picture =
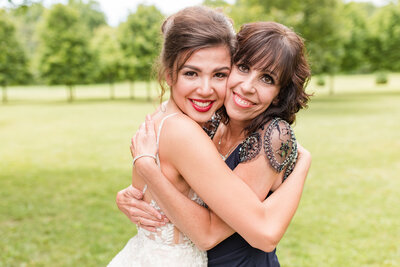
61	165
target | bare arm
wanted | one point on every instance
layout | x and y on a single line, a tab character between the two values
202	225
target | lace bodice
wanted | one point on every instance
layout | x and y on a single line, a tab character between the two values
169	234
166	247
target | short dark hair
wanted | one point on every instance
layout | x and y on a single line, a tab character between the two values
273	47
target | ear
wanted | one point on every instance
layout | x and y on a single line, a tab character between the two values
168	77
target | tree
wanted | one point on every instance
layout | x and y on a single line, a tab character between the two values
140	39
384	41
90	13
64	55
13	63
26	19
109	56
355	38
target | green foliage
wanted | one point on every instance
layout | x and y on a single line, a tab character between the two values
90	13
140	39
384	40
65	57
26	19
109	56
321	80
355	17
13	63
381	78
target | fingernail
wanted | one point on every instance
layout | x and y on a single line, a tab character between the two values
159	216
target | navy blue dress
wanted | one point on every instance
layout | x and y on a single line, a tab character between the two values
235	251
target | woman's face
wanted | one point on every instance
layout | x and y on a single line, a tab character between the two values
249	92
200	86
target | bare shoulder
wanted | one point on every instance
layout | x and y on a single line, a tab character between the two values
179	126
180	134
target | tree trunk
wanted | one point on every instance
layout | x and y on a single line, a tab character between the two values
148	91
131	89
5	99
331	85
112	90
71	93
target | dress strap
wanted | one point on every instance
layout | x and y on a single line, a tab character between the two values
159	132
158	140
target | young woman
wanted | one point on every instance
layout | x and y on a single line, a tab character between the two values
256	93
195	39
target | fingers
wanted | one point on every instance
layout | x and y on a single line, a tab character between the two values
136	213
149	124
147	222
149	228
132	149
134	192
149	211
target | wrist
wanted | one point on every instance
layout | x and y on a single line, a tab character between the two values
145	166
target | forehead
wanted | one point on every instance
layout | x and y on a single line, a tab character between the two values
210	56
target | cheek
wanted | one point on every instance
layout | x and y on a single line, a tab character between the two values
221	91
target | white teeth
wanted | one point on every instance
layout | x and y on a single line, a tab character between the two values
201	104
241	101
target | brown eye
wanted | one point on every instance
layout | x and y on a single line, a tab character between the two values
267	79
243	68
221	75
190	73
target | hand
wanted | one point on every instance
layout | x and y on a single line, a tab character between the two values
144	141
129	201
303	154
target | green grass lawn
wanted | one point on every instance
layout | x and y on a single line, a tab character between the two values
61	165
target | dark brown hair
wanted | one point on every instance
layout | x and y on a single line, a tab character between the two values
273	47
189	30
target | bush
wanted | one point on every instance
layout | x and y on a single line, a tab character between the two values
381	78
321	81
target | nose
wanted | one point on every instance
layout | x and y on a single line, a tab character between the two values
247	84
205	88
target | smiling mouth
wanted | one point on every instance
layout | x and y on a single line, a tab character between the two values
202	105
241	102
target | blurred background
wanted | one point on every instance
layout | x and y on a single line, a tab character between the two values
77	80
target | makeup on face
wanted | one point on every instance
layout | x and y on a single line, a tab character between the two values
200	86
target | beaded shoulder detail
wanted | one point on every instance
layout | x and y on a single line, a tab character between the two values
279	145
211	126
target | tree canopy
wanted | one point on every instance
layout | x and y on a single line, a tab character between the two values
65	57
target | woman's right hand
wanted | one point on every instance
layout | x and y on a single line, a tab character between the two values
129	201
304	155
144	143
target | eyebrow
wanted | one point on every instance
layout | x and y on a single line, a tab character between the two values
198	70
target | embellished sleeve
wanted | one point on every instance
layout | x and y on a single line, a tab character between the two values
277	142
211	126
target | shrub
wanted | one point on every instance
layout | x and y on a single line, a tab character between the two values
381	78
321	81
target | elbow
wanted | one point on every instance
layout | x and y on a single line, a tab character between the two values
207	243
265	242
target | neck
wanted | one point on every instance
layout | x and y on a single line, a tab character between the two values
235	130
230	137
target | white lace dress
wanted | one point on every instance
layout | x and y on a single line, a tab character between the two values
166	247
